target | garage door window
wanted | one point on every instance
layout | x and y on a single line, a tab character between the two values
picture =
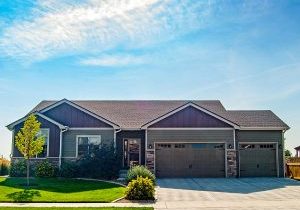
266	146
247	146
163	146
207	146
179	145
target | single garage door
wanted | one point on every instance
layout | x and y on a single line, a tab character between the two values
258	160
189	160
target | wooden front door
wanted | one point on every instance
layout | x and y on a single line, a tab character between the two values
131	152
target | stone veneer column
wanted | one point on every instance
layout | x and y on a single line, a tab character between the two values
231	163
150	156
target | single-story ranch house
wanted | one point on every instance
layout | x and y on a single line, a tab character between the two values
179	138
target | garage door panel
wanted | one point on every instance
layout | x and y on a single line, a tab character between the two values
257	160
191	160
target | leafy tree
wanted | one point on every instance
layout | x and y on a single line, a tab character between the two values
28	142
287	153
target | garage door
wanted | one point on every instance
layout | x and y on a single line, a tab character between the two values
190	160
258	160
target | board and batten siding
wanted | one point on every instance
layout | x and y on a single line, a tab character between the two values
69	143
190	136
72	117
264	136
54	137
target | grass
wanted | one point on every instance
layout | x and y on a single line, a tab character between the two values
58	190
77	208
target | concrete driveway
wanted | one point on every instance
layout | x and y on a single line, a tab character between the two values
244	193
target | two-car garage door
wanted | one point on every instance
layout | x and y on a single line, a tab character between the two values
190	160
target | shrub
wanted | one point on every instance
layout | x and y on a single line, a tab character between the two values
18	168
139	171
140	189
69	170
45	169
103	163
4	167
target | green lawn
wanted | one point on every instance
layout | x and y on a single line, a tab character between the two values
58	190
75	208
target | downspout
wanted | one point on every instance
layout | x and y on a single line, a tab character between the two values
283	152
62	130
115	137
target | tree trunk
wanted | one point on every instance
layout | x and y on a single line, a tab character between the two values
28	172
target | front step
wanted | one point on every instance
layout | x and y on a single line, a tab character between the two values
122	175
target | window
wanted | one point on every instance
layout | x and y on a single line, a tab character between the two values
247	146
164	146
179	145
44	132
87	145
266	146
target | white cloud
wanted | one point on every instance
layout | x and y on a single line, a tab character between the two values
57	27
113	60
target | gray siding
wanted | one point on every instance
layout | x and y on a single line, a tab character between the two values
190	136
69	139
264	136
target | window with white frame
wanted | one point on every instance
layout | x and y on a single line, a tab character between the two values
87	145
45	133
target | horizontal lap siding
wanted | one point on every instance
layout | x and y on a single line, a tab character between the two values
264	136
54	137
69	139
190	136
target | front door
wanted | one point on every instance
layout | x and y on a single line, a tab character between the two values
131	152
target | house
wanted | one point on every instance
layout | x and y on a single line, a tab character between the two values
297	151
180	138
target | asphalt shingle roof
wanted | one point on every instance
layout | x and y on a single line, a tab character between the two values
136	113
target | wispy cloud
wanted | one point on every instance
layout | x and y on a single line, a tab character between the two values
113	60
58	28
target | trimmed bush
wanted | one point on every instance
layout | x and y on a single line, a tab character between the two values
140	189
45	169
140	171
103	163
18	168
69	170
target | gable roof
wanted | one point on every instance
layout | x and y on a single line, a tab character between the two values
10	126
130	114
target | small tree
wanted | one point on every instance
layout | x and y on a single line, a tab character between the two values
287	153
27	141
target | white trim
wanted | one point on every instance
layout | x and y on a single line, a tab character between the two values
184	129
79	136
283	153
42	158
60	148
264	142
146	146
48	140
262	128
226	163
13	143
234	140
182	142
81	109
89	128
10	126
185	106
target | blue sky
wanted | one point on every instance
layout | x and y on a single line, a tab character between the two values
244	53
